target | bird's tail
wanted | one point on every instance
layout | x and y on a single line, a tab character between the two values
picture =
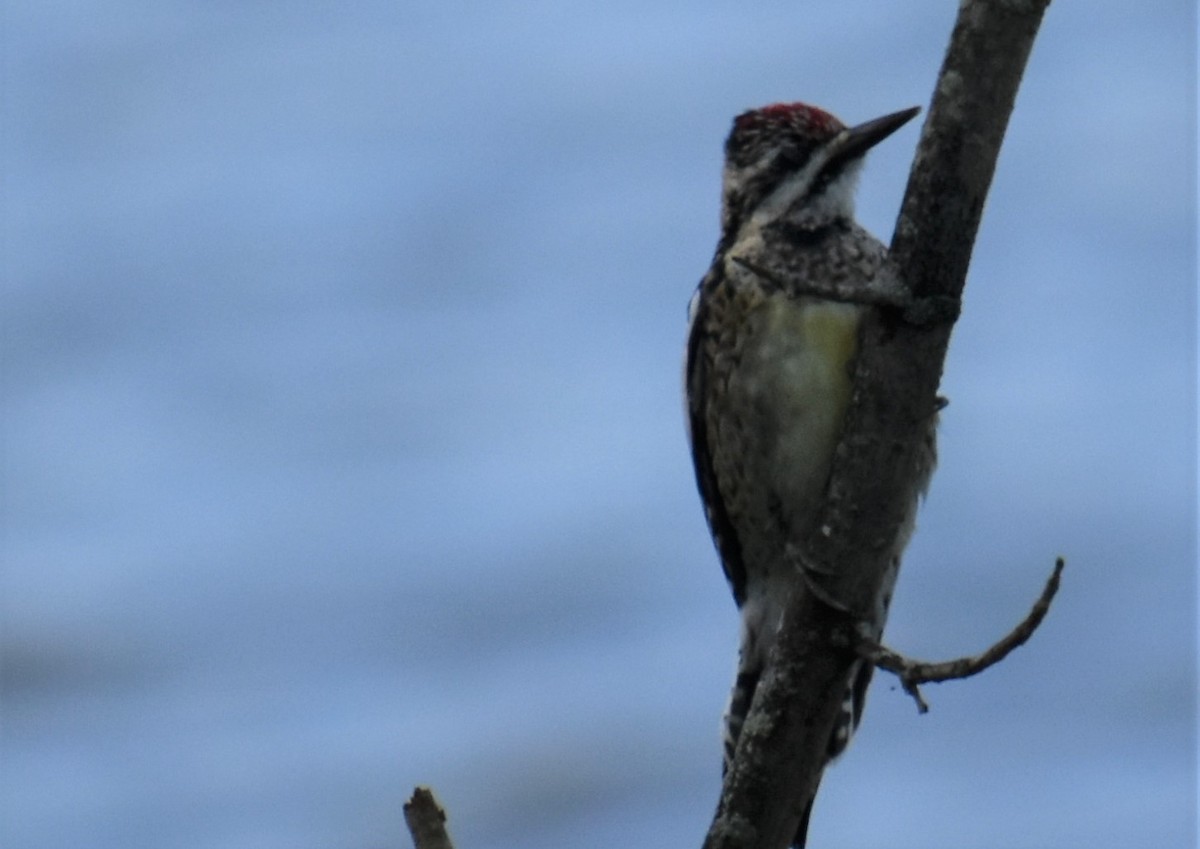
740	698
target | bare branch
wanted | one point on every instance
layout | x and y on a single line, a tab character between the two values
426	821
782	747
914	672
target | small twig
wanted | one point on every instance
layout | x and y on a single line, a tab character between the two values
426	821
913	672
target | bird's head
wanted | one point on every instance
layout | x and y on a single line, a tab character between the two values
794	160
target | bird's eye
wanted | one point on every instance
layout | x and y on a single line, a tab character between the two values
827	176
789	160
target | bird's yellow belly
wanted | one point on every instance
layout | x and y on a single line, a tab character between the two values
795	373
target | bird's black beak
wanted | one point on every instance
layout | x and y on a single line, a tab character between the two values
854	142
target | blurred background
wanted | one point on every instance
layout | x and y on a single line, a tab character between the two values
343	447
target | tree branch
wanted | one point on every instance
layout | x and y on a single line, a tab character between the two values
782	747
914	672
426	821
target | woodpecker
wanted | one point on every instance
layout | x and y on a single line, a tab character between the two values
769	368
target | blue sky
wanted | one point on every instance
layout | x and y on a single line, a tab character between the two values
343	447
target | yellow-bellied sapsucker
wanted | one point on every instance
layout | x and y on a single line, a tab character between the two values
769	371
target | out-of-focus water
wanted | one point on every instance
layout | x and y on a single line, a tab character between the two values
342	438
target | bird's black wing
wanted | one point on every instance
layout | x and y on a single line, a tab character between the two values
696	376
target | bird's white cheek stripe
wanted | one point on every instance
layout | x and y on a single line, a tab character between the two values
787	192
